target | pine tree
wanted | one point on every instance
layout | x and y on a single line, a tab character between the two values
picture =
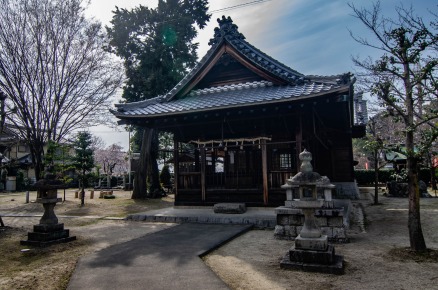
157	47
83	160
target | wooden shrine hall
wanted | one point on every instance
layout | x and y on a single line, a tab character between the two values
239	120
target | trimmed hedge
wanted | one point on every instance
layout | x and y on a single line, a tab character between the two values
366	177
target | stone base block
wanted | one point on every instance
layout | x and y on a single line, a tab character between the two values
47	234
337	267
230	208
326	257
332	222
312	244
288	211
33	236
45	228
47	243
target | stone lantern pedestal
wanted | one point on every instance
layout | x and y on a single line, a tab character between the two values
311	251
48	231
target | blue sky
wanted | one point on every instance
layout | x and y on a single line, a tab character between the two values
310	36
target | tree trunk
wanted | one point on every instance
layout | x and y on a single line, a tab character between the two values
82	196
83	189
376	177
140	186
37	153
155	189
416	238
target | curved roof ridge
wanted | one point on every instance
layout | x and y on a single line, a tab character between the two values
344	78
151	101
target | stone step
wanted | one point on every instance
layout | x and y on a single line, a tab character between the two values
231	208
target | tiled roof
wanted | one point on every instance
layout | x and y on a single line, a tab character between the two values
253	93
227	32
298	85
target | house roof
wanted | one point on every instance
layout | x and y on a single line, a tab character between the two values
8	136
280	83
229	96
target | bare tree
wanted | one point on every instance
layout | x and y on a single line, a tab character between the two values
409	61
53	70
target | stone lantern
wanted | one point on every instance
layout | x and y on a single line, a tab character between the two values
311	251
48	231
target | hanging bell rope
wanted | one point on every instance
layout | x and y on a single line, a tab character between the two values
237	141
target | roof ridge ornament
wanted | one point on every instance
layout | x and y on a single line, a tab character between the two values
226	29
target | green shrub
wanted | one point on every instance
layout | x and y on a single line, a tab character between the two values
366	177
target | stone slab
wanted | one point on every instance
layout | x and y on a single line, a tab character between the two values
263	218
288	210
47	243
313	244
336	268
229	208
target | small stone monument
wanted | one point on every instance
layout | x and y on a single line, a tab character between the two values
311	251
48	231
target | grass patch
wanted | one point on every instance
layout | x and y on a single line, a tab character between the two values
29	270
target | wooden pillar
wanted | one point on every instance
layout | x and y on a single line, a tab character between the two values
197	165
265	171
176	165
299	142
203	161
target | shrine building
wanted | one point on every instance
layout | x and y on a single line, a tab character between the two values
240	119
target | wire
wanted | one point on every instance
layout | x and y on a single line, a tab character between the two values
238	6
223	9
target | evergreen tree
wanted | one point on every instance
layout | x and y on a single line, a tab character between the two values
83	160
157	47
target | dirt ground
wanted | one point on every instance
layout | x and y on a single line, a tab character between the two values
375	258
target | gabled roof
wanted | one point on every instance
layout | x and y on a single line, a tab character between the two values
279	82
224	97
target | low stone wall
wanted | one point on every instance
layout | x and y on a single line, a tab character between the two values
333	222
